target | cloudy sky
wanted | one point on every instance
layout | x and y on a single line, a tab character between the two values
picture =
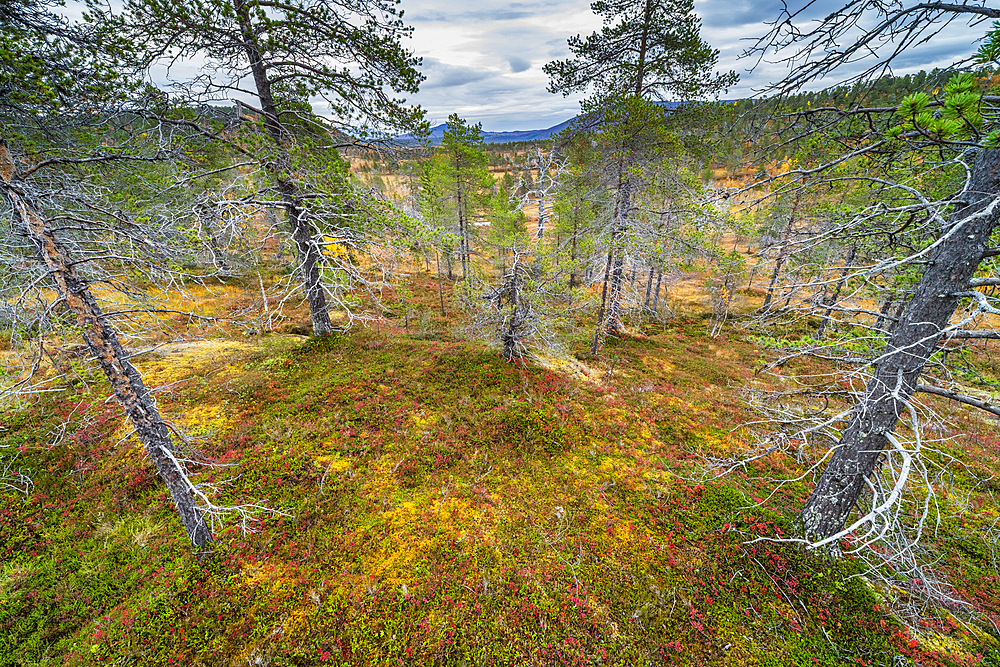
483	58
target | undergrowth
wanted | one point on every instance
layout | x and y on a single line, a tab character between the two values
436	505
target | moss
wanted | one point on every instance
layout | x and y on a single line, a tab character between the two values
438	506
529	431
722	499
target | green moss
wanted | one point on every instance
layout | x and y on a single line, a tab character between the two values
529	430
439	506
722	500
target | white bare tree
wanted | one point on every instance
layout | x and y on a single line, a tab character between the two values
521	312
540	192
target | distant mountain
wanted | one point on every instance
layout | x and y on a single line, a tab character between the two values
525	135
437	132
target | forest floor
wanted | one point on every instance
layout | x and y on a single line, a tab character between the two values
409	498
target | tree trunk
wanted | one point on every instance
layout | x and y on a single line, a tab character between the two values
572	257
462	224
612	321
307	254
952	264
614	316
513	334
541	214
656	298
649	287
647	17
102	341
836	292
896	316
437	265
783	252
596	343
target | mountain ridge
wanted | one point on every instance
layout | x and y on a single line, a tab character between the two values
437	132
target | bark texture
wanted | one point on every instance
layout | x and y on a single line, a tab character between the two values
951	267
102	341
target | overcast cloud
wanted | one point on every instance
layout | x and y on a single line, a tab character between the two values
484	60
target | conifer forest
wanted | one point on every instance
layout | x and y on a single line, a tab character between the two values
293	372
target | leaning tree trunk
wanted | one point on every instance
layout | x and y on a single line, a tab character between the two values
952	265
307	252
832	303
102	341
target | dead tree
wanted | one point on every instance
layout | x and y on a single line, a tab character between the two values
953	261
102	342
519	313
542	191
511	296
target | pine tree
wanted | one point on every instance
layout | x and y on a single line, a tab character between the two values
347	53
456	182
51	128
647	50
651	49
